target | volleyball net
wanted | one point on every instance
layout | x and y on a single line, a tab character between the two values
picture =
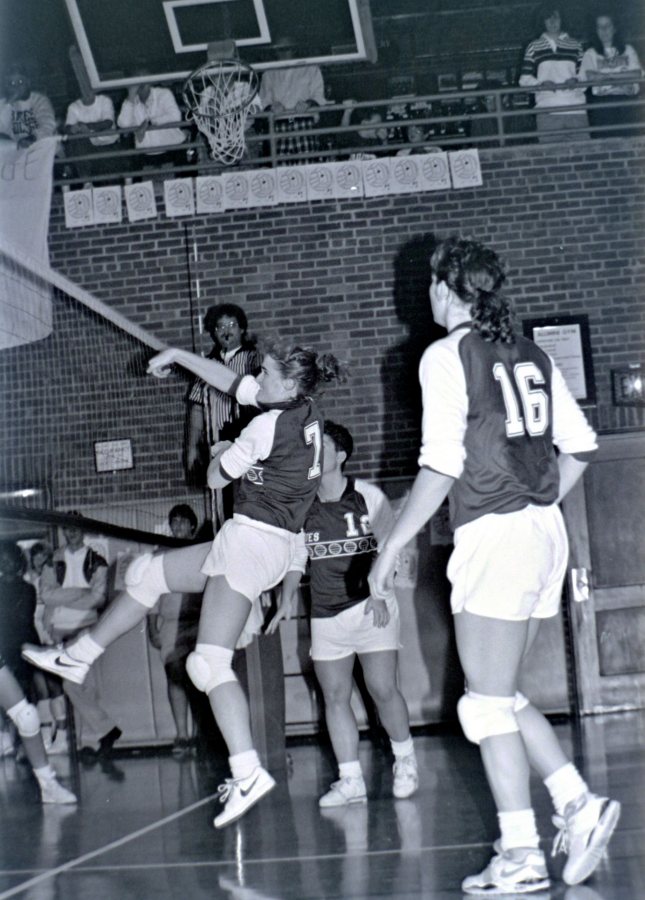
84	427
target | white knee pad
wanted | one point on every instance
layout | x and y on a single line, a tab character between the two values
520	702
145	580
25	717
208	666
483	716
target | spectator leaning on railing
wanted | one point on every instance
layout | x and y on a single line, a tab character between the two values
146	107
25	115
609	57
552	61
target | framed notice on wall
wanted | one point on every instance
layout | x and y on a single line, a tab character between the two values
566	340
109	456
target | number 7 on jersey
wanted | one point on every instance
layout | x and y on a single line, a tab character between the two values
313	436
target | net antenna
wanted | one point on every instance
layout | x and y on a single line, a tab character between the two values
219	96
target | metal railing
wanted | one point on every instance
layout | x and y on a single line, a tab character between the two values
446	120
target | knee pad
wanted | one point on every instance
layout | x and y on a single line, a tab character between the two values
521	702
25	717
208	666
145	580
482	716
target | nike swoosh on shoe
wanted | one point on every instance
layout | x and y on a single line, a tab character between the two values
248	790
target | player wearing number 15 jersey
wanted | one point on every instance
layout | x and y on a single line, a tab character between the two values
344	527
495	408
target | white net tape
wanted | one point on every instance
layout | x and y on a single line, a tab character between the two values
220	97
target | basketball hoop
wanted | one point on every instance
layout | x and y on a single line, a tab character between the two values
219	97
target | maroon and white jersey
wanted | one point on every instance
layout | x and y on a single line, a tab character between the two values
492	413
341	539
278	461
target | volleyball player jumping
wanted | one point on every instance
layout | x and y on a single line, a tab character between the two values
278	462
494	409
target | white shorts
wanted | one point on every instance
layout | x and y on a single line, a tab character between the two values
352	631
253	559
510	566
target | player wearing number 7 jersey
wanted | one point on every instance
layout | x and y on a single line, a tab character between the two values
495	407
277	460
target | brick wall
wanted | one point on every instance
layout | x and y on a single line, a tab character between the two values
352	277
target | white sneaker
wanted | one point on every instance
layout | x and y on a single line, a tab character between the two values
584	832
406	777
56	660
350	789
58	745
511	872
52	791
241	794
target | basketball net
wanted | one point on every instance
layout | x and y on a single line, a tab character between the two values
219	96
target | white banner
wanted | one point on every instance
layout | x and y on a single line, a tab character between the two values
25	200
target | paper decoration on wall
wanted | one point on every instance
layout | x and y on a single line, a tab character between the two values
108	204
348	179
320	181
465	169
377	178
179	197
292	184
140	201
264	187
78	208
237	190
210	193
406	174
435	171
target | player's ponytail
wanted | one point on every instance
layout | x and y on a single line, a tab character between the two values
309	370
476	275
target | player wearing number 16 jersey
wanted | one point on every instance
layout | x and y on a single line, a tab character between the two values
495	408
277	463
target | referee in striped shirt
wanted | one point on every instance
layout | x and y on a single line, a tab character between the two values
212	415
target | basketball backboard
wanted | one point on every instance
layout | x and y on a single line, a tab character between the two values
168	39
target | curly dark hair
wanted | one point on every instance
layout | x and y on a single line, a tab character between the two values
476	274
309	370
228	310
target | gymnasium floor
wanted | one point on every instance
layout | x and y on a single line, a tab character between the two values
143	827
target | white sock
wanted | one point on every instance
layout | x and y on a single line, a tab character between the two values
242	764
518	829
350	769
402	748
44	773
565	785
85	649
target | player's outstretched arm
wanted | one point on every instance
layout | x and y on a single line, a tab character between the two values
428	492
287	600
209	370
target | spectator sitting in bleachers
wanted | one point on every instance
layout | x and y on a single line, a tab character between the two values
87	118
291	93
147	106
25	115
371	136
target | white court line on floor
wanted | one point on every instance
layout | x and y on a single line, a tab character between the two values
72	863
264	860
193	864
